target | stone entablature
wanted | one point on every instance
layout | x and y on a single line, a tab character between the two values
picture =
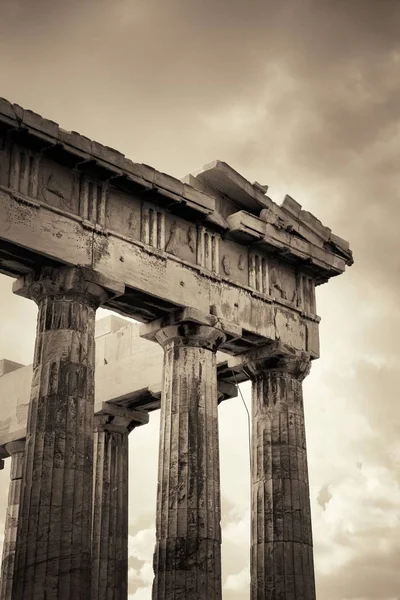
214	240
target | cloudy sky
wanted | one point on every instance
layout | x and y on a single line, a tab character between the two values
302	95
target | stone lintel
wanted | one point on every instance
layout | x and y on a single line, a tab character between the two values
153	391
182	316
66	277
226	390
158	278
149	398
146	399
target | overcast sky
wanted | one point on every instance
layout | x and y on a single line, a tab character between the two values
302	95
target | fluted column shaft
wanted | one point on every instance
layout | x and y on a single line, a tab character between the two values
187	559
110	503
281	537
16	450
53	558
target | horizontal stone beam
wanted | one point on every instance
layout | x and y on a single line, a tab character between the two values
140	417
157	278
23	285
197	192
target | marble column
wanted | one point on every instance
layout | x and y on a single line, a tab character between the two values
187	558
53	552
281	538
16	450
110	501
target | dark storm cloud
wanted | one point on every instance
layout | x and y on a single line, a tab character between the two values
186	55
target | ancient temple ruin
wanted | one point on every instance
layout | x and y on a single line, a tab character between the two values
223	280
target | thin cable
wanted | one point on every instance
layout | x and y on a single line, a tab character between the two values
248	418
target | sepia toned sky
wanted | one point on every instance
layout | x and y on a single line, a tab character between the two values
302	95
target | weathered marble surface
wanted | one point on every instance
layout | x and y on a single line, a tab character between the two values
125	363
281	536
53	553
187	558
214	241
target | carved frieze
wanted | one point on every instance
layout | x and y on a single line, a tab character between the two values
233	262
226	265
180	239
59	186
123	214
282	281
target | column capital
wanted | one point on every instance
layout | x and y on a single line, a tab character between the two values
114	418
274	357
191	327
14	447
62	281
